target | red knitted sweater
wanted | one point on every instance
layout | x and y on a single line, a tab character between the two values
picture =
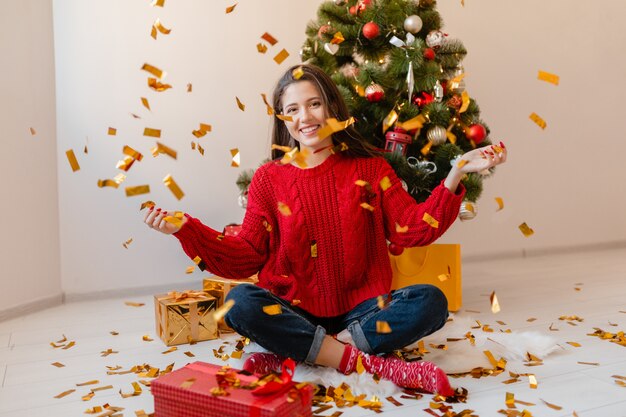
307	234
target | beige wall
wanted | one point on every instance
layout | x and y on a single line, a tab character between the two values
565	182
29	243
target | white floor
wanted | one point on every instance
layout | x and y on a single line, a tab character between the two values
539	287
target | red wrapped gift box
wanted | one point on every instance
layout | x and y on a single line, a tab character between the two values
187	392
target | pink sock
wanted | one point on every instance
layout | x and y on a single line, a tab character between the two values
422	375
263	363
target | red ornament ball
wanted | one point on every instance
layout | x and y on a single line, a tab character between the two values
476	133
352	10
363	4
429	54
371	30
395	250
374	93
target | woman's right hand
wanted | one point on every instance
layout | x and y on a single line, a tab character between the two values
154	220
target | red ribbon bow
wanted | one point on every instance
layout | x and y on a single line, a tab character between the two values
286	382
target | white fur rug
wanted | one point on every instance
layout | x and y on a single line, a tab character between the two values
460	356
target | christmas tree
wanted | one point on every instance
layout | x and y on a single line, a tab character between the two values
402	79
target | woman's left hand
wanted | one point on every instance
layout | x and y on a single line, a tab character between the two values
481	159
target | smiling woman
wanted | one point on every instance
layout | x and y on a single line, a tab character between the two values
316	232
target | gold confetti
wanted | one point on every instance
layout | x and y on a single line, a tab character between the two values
108	352
548	77
270	110
401	229
170	350
231	8
382	327
188	383
174	188
510	400
495	306
156	85
333	126
415	123
589	363
281	56
284	209
189	87
88	397
465	100
145	103
71	158
92	382
532	381
136	391
273	309
431	220
284	118
389	120
424	151
575	344
64	393
33	132
500	203
154	133
159	3
153	70
159	26
94	410
221	311
137	190
261	48
106	387
461	163
538	120
112	131
57	364
552	406
146	338
163	149
297	73
360	368
133	304
385	183
127	243
527	231
313	249
191	355
337	38
115	182
114	333
189	270
241	106
269	39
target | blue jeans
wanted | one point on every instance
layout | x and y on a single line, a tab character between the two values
413	313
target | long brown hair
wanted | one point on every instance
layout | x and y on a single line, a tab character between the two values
334	104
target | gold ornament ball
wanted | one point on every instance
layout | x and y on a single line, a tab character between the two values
413	24
437	135
467	211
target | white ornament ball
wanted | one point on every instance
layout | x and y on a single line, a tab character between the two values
437	135
242	200
435	39
467	211
413	24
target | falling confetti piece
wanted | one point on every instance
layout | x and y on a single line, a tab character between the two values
114	333
64	393
430	220
270	110
495	306
337	38
424	151
333	126
589	363
163	149
127	243
552	406
133	304
510	400
156	85
526	230
92	382
538	120
548	77
112	131
297	73
281	56
57	364
191	355
367	206
231	8
273	309
269	39
115	182
382	327
174	188
146	338
137	190
401	229
71	158
500	203
159	3
154	133
33	132
385	183
145	103
158	26
532	381
575	344
153	70
170	350
236	157
241	106
261	48
221	311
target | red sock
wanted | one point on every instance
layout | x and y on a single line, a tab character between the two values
263	363
419	375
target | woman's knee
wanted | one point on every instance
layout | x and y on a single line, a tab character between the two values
246	299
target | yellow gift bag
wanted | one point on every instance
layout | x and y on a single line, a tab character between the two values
436	264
